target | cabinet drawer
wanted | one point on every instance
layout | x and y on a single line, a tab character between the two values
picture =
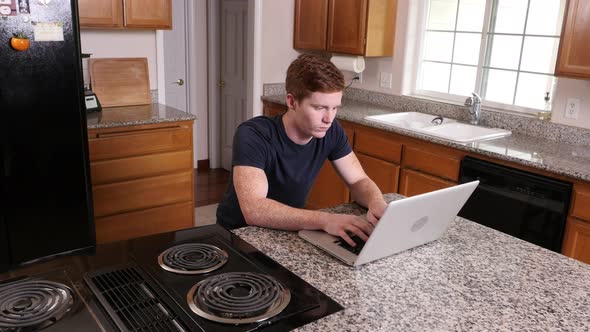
576	243
108	171
416	183
132	143
384	174
377	145
431	163
145	222
581	202
144	193
271	109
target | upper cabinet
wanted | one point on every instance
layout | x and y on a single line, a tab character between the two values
358	27
574	50
136	14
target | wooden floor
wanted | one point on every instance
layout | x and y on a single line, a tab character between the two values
210	186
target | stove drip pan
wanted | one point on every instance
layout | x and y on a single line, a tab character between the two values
192	258
33	305
238	297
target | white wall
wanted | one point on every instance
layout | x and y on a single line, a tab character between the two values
278	53
277	39
121	44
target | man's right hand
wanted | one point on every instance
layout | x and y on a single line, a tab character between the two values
344	224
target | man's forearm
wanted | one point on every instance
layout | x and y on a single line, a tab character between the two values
365	192
272	214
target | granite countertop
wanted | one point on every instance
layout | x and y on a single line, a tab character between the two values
473	278
136	115
544	154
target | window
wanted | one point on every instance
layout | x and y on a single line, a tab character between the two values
504	50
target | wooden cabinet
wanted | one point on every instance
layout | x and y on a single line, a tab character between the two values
144	14
101	13
271	109
416	183
358	27
383	173
329	189
380	155
311	24
576	243
573	59
142	179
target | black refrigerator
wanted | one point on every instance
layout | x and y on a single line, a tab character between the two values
46	204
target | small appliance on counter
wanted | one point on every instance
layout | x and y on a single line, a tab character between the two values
91	101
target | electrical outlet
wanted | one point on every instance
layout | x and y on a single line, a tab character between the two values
572	108
360	77
385	80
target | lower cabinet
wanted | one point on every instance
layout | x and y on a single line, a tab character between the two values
383	173
142	179
416	183
576	243
328	189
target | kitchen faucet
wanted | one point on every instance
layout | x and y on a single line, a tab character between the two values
474	104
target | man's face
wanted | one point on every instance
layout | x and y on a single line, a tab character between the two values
314	114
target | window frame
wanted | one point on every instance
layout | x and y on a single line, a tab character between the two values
459	99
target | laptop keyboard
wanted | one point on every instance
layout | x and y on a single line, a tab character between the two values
355	250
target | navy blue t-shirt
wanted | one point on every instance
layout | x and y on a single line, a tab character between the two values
290	168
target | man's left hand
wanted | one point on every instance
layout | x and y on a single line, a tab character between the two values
376	210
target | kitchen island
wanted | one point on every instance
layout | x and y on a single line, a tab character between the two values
473	278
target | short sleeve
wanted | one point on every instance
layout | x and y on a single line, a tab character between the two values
340	147
249	148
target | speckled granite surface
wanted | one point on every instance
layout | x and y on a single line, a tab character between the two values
472	279
136	115
554	156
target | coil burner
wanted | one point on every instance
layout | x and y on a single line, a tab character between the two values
238	297
192	258
33	305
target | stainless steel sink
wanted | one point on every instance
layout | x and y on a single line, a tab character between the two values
445	128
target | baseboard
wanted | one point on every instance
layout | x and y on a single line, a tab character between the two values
203	165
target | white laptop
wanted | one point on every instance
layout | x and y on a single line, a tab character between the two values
406	223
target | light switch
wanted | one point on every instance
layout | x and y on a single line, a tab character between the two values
385	80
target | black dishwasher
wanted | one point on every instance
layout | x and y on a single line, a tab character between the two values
522	204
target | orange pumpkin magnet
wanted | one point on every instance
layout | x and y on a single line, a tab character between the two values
20	42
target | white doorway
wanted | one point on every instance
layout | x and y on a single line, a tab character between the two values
234	39
182	55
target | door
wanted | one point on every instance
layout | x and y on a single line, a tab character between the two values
175	59
176	63
101	13
347	24
311	23
234	30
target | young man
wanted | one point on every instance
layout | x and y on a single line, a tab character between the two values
276	160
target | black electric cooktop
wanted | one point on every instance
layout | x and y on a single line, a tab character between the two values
199	279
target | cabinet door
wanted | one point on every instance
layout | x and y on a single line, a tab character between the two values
384	174
574	50
416	183
311	22
347	26
148	14
272	109
576	243
101	13
328	190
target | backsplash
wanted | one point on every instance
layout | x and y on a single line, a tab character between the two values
522	124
